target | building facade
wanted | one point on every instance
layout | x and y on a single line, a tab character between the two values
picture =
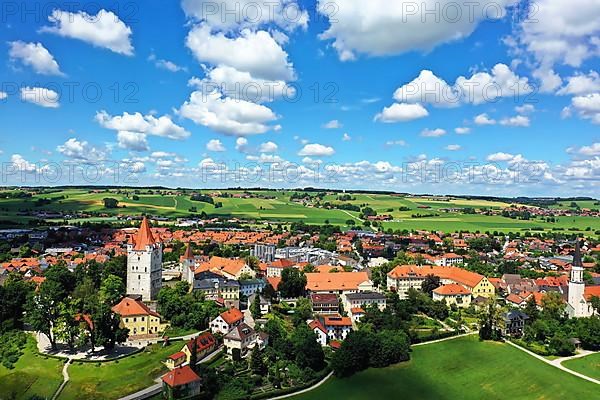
144	264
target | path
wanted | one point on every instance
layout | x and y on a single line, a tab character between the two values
582	353
65	373
444	339
313	387
356	218
556	365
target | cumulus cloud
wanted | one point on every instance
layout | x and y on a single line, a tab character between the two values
453	147
215	145
268	147
383	27
484	119
333	124
316	150
581	84
518	120
21	164
489	86
226	115
500	157
104	29
34	55
254	52
587	107
428	88
241	144
237	14
401	112
433	132
165	64
146	124
42	97
135	141
461	130
81	150
592	150
346	137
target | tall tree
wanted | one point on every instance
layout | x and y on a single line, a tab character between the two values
430	283
112	289
43	309
293	283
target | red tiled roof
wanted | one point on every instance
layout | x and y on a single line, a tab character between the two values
451	289
316	324
180	376
177	356
203	342
591	291
333	320
232	316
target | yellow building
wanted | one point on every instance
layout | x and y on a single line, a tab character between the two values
138	318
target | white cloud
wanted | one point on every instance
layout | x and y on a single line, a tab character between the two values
165	64
518	120
230	14
333	124
558	32
489	86
104	29
40	96
500	157
383	27
241	144
81	150
484	119
254	52
428	88
525	109
400	143
162	154
215	145
268	147
227	116
592	150
21	164
433	132
316	150
34	55
462	130
135	141
346	137
453	147
401	112
147	124
581	84
3	95
587	107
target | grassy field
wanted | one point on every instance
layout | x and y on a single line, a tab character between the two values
116	379
589	365
460	369
33	374
441	213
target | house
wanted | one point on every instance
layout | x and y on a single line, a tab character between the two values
230	268
514	323
250	286
205	344
337	327
226	321
356	314
138	318
404	277
218	288
362	299
241	339
181	383
265	304
317	327
275	269
453	294
176	360
325	303
338	282
448	260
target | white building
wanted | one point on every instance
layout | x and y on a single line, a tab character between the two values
579	295
144	264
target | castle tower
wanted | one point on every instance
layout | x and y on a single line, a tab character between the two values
144	264
577	285
188	264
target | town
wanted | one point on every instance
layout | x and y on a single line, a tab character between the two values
257	313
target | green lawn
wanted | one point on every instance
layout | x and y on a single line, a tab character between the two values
462	369
33	374
116	379
589	365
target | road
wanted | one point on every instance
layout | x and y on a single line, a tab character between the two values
65	372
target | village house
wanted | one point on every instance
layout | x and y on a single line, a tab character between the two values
138	318
226	321
181	383
230	268
513	323
205	344
453	294
338	282
265	304
241	339
325	303
363	299
337	327
317	327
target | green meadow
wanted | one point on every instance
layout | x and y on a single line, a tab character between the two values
463	369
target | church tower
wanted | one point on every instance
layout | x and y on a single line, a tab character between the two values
144	264
188	265
577	285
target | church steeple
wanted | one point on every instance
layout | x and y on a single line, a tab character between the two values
577	256
577	265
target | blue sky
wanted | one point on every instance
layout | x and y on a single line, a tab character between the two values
166	95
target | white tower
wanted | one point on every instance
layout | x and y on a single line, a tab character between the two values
577	285
144	264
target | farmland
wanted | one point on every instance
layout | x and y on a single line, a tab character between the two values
407	212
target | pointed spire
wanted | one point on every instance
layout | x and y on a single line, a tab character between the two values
144	236
577	256
188	255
